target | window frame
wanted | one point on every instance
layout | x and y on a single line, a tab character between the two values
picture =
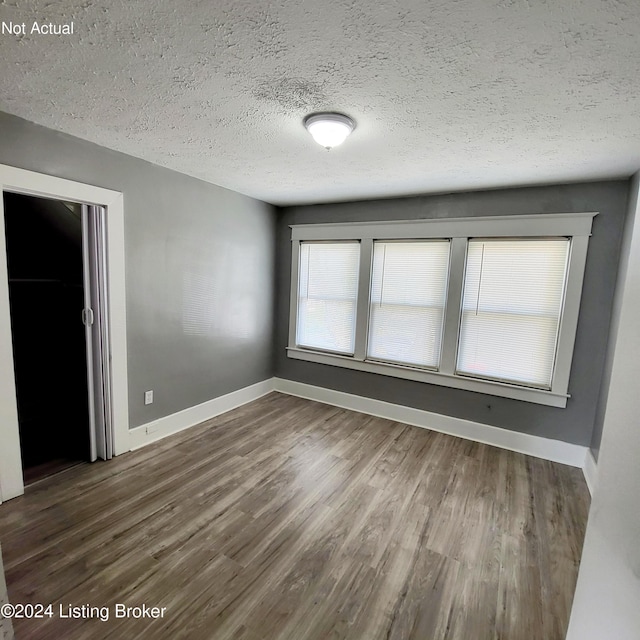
469	374
320	349
400	363
576	226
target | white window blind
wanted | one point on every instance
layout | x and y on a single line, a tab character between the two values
513	297
327	292
408	293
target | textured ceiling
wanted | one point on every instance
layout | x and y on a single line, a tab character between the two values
447	94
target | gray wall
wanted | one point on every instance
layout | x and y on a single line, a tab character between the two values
572	424
625	249
199	269
607	594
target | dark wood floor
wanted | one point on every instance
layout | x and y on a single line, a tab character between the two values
47	469
291	519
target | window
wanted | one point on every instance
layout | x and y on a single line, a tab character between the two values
513	292
327	291
408	294
484	304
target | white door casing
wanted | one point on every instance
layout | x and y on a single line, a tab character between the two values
38	184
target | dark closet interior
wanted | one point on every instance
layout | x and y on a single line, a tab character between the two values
45	266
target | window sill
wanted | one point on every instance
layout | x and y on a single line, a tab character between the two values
537	396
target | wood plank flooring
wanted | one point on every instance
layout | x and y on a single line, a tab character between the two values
290	519
48	469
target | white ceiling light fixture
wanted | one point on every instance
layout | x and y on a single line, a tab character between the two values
329	129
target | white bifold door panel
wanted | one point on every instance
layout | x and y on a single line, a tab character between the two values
96	323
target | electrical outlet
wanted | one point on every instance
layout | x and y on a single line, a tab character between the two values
148	397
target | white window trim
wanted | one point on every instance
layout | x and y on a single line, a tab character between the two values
577	226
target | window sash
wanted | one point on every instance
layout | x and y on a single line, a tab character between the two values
327	296
511	309
407	298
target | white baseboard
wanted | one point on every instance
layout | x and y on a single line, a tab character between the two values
163	427
590	471
554	450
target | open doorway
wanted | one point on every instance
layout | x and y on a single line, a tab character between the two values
58	295
46	294
105	212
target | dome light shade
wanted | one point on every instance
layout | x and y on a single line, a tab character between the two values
329	129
